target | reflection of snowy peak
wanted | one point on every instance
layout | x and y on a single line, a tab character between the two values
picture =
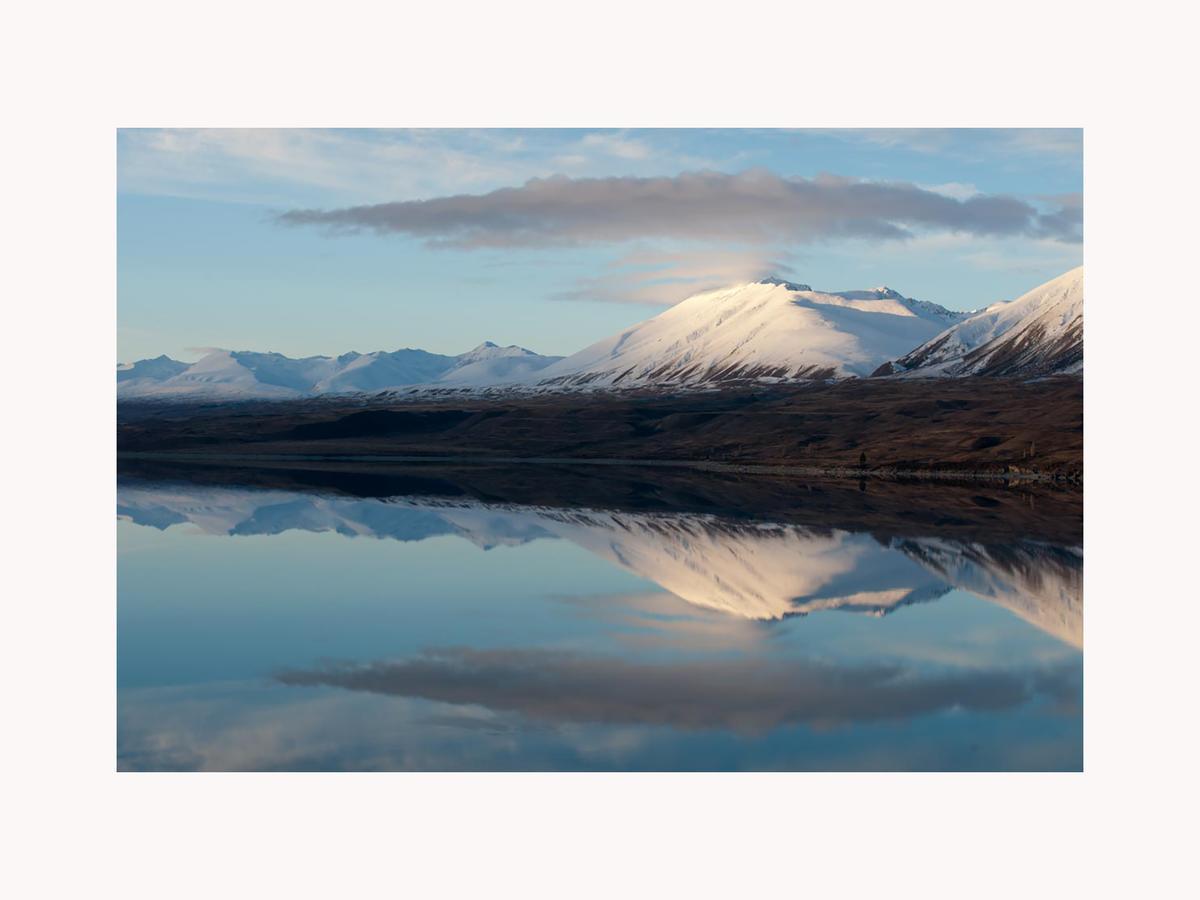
264	512
1042	584
752	570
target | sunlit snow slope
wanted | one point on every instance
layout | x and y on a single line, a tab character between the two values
763	331
1040	333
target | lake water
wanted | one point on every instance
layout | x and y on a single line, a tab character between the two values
315	626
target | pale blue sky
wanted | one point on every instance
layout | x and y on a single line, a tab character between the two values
205	260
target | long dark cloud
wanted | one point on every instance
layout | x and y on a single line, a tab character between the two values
746	695
753	207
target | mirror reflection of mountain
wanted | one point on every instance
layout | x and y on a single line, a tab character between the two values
759	570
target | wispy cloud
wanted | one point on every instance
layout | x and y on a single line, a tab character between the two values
279	165
953	189
753	207
660	277
616	144
268	165
974	143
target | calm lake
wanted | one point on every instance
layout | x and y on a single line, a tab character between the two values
312	622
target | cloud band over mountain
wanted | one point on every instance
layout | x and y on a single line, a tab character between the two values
752	207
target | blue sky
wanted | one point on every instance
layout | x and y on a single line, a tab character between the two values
311	242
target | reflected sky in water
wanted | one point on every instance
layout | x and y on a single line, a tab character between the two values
272	629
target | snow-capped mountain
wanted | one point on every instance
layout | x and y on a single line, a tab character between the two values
1040	333
370	372
768	330
148	371
224	374
488	365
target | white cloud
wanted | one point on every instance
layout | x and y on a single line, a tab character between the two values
665	277
956	190
616	144
752	207
284	167
268	165
974	143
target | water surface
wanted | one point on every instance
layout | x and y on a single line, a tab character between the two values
308	627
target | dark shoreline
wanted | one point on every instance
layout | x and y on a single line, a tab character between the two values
976	429
813	472
986	510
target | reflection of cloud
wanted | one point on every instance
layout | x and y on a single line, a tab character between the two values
251	727
752	207
240	726
748	695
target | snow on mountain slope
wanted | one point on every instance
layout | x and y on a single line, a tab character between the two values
489	365
230	375
1040	333
489	351
765	330
370	372
220	374
158	369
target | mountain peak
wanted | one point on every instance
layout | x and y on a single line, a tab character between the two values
1039	333
746	332
491	350
790	285
755	332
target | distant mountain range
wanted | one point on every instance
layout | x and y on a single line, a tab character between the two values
225	374
767	331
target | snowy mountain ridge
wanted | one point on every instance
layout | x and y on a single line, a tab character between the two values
1039	333
769	330
764	332
240	374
